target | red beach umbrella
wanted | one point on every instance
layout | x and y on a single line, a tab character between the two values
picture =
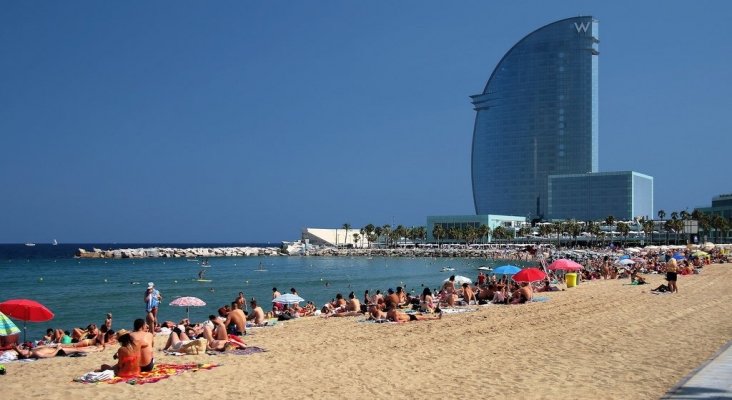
529	275
26	311
564	264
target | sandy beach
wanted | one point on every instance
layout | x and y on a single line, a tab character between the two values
602	339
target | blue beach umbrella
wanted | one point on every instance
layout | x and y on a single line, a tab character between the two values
7	327
679	256
506	270
623	257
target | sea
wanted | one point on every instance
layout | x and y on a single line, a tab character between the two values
83	291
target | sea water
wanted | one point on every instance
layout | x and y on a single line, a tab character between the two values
82	291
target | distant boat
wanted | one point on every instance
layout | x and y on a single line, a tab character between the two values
447	269
30	244
485	268
55	242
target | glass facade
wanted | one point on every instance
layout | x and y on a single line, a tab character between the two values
595	196
537	116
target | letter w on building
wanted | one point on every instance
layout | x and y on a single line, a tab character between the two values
582	26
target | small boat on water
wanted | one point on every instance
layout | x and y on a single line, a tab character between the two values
485	268
55	242
30	244
445	269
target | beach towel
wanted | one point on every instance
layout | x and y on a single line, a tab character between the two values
540	299
246	352
160	372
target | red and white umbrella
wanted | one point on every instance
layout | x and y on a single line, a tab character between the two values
188	301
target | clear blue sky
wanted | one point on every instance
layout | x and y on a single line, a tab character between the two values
244	122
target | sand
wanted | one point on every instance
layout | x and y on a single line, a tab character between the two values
602	339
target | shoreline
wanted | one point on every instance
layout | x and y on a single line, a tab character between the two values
601	339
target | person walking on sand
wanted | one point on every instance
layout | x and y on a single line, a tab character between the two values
152	301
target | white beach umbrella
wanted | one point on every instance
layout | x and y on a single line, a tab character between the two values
459	279
626	261
288	298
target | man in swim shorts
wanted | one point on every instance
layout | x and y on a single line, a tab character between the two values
143	341
236	318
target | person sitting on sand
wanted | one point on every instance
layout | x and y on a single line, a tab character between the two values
499	296
375	313
144	341
236	320
468	294
257	314
352	308
128	357
353	304
402	295
522	295
449	286
426	302
217	339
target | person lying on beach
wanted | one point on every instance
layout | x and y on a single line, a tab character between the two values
257	314
88	337
236	320
49	351
143	341
128	357
399	316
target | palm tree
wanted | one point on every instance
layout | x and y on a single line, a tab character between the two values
356	238
378	231
401	232
610	220
386	231
594	229
368	230
574	230
483	232
347	227
624	229
438	232
648	229
674	215
661	214
545	230
719	223
420	233
703	219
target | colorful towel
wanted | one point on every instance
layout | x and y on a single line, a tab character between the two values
161	371
539	299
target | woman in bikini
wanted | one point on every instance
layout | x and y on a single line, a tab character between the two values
426	302
128	358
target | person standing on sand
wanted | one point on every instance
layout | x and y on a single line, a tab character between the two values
143	340
672	270
152	301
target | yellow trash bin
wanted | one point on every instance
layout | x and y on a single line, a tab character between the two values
571	279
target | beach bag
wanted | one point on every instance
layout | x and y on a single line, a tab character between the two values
194	346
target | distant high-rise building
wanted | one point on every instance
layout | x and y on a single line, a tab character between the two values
537	116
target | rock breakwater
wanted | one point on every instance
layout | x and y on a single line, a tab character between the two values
169	252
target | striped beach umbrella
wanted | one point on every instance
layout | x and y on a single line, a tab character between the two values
7	327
